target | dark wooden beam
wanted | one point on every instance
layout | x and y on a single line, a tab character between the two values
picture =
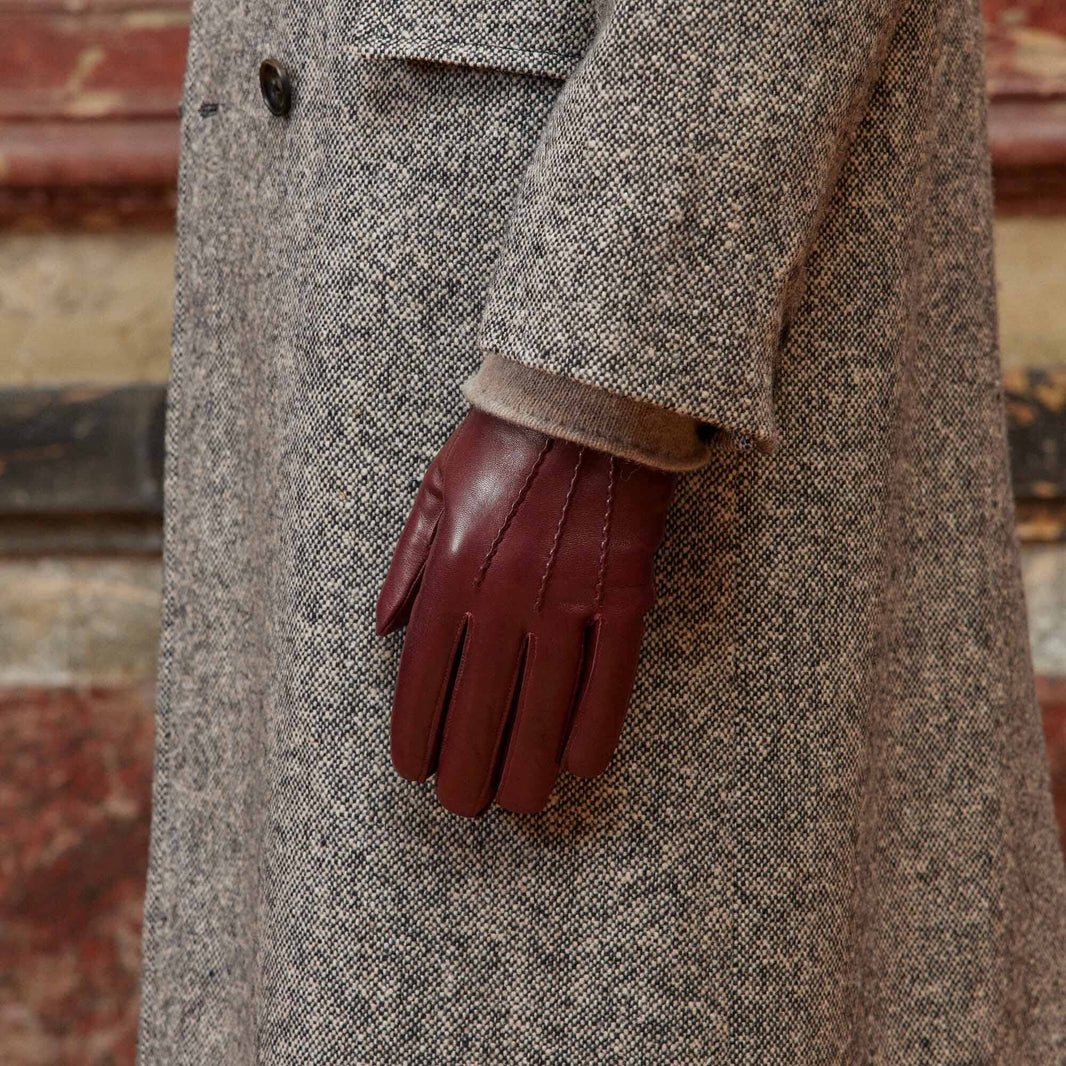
1036	423
81	451
73	460
1036	417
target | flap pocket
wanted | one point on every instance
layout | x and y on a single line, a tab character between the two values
545	37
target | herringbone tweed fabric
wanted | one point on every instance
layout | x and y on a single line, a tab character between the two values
826	836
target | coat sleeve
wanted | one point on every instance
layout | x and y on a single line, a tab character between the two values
661	228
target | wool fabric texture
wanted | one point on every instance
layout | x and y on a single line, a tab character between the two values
826	836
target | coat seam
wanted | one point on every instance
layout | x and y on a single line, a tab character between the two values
400	39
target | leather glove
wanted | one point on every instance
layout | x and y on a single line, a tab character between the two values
523	575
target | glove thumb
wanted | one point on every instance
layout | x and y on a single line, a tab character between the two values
402	582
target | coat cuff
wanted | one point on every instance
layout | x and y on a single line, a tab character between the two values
585	414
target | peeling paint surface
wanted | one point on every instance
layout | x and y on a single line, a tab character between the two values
1026	47
128	63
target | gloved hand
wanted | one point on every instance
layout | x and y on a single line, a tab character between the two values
523	574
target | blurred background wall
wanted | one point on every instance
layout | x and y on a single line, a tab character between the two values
88	151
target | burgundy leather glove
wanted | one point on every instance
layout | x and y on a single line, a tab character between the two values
523	574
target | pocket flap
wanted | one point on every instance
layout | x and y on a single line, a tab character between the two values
546	37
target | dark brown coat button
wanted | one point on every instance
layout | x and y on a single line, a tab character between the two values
276	86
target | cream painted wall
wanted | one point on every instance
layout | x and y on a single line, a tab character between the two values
96	307
85	308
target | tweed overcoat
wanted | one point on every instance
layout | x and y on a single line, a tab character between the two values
826	836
